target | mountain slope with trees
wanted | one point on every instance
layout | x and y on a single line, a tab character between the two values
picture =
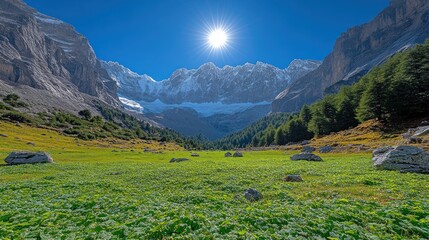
395	92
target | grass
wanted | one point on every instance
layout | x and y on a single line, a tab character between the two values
95	193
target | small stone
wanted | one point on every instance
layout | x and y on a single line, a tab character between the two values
306	156
228	154
252	195
173	160
326	149
308	149
293	178
3	135
31	143
195	155
305	142
414	140
237	154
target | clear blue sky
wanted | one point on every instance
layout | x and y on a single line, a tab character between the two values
157	37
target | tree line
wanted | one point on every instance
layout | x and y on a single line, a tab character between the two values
396	91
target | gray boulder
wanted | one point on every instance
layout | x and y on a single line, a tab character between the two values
305	142
195	155
420	131
326	149
308	149
293	178
414	140
28	158
228	154
237	154
3	135
306	156
173	160
252	195
402	158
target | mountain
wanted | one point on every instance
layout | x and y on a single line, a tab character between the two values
402	25
48	63
220	100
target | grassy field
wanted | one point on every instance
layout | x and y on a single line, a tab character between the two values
114	190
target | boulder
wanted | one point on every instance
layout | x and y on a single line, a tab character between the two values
414	140
228	154
237	154
293	178
326	149
402	158
305	142
306	156
28	158
3	135
308	149
252	195
178	160
195	155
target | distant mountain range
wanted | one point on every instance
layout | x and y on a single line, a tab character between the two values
207	93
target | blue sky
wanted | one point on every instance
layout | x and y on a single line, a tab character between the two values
160	36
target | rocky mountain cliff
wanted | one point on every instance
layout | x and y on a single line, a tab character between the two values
48	62
403	24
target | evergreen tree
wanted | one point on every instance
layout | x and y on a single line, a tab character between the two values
305	114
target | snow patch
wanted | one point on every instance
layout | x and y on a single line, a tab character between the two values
131	105
47	19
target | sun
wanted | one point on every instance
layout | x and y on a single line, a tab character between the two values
218	38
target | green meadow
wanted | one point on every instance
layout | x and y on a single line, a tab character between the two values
101	191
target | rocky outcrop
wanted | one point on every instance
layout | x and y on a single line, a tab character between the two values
400	26
50	57
16	158
402	158
307	157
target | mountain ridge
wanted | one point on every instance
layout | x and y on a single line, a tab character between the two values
398	27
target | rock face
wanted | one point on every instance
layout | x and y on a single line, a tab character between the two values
403	158
306	157
50	58
252	195
400	26
16	158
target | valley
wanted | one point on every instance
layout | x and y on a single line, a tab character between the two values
100	190
228	148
